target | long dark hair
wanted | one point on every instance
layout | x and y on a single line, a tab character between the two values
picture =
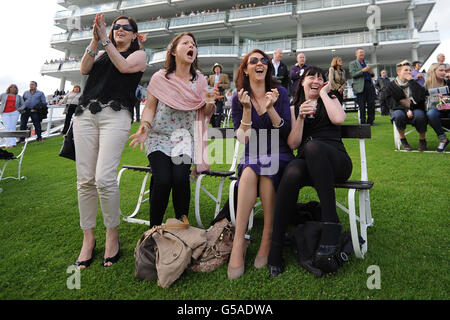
300	93
134	46
170	64
243	81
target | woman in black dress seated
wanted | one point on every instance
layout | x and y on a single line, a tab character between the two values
321	162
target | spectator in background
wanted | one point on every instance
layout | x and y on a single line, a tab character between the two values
406	99
436	79
363	87
222	82
140	94
34	99
10	103
441	59
280	72
72	100
381	85
417	75
336	77
297	71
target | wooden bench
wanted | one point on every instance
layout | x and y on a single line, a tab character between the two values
398	144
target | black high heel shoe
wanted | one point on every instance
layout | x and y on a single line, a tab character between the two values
86	263
112	259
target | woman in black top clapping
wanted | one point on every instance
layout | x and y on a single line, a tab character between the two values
321	162
101	128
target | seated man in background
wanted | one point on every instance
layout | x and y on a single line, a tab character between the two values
406	99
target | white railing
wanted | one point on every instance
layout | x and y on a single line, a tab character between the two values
429	36
71	65
93	9
50	67
395	35
63	14
206	18
260	11
337	40
136	3
219	50
61	37
305	5
158	56
152	25
267	46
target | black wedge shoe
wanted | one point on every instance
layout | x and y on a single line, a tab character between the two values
86	263
112	259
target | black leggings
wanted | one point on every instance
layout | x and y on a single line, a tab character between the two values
169	174
321	167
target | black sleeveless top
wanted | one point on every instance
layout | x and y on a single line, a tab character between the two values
321	128
106	83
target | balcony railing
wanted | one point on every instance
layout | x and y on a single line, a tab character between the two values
83	35
304	5
207	18
260	11
136	3
267	46
63	14
61	37
93	9
50	67
158	56
395	35
337	40
153	25
71	66
218	50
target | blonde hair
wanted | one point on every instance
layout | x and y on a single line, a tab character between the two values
8	90
334	62
432	81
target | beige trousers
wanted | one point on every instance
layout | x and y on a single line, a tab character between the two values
99	141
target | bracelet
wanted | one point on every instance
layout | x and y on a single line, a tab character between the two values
91	53
246	124
146	124
280	125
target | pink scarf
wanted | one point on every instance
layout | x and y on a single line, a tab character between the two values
176	94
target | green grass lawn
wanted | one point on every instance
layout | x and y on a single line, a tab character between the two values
40	235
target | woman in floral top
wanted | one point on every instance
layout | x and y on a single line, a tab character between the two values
173	123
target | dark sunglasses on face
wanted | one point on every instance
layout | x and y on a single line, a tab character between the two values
255	60
126	27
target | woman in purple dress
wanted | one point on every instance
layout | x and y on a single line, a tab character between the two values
261	116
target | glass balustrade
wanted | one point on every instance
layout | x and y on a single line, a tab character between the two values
267	46
63	14
61	37
218	50
260	11
50	67
335	40
198	19
135	3
158	56
394	35
304	5
71	65
86	34
93	9
152	25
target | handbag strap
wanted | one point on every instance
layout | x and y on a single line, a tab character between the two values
179	226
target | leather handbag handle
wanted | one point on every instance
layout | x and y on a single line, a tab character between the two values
182	226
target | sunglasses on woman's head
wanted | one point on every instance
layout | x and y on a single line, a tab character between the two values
255	60
126	27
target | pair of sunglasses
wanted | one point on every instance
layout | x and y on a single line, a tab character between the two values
255	60
126	27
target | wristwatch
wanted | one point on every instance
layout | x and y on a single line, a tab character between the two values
91	53
105	43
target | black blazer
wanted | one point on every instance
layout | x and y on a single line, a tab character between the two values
394	94
283	75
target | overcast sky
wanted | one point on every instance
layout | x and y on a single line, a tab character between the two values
26	45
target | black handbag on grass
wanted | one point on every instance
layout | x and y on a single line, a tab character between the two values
68	147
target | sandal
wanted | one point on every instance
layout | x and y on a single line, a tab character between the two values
86	263
112	260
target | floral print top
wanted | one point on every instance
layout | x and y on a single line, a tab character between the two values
172	131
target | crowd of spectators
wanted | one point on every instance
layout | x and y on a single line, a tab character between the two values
62	60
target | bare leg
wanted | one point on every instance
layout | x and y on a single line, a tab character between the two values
267	195
247	192
88	246
112	244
